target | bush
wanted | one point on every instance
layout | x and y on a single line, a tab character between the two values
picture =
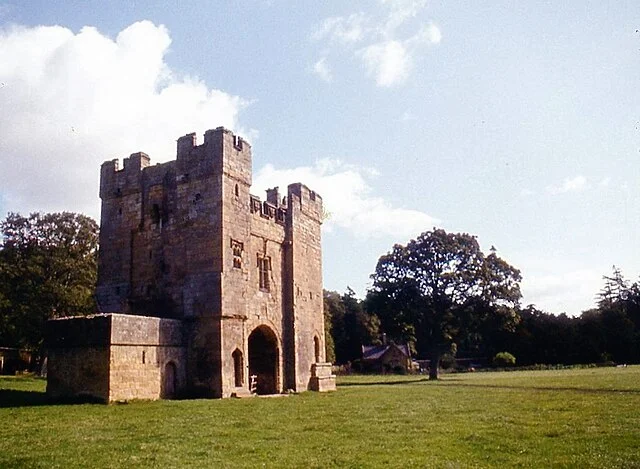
357	366
399	370
504	359
447	361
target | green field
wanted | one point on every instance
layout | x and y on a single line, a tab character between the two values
571	418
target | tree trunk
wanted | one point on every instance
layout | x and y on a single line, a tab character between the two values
433	365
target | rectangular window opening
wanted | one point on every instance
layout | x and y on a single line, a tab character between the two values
264	268
236	248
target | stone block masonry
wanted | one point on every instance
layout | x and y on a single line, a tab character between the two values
112	357
239	280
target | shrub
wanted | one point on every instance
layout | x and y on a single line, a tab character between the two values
447	361
504	359
399	370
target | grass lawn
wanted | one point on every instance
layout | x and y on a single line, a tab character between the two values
569	418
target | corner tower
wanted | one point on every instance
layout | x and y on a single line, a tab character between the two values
304	303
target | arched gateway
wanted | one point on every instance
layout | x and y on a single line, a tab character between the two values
263	359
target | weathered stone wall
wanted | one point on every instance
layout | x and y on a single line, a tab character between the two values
78	372
78	357
237	261
141	349
115	357
160	243
304	265
120	216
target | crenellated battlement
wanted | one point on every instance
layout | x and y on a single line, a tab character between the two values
268	209
136	162
221	152
188	144
115	181
308	201
275	208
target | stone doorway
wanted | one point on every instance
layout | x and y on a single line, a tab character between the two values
238	368
169	381
316	348
263	360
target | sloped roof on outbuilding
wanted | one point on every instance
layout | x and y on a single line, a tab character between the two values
374	352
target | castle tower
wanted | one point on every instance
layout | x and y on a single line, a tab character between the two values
185	240
304	305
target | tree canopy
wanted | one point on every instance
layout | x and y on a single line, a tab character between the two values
48	266
439	288
608	333
351	326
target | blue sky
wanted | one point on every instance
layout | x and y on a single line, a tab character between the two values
516	122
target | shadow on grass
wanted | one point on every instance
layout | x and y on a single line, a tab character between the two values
384	383
545	388
15	398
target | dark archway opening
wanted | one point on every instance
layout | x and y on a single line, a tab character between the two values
169	381
263	360
238	371
316	348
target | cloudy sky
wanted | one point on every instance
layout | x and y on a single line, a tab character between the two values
518	122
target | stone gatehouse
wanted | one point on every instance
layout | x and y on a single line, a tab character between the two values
203	289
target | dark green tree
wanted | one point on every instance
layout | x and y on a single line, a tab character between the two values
439	288
48	265
351	325
330	347
334	315
618	318
609	332
361	328
542	337
614	291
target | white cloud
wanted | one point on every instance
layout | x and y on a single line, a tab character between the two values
347	199
78	99
388	62
400	11
407	116
564	290
605	182
526	193
574	184
345	29
429	34
322	69
387	54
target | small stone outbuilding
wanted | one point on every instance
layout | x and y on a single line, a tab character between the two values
387	358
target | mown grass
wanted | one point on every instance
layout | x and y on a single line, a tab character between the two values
570	418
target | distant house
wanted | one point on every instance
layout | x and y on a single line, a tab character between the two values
13	359
387	358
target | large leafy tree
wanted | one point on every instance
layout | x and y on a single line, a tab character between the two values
439	288
48	269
